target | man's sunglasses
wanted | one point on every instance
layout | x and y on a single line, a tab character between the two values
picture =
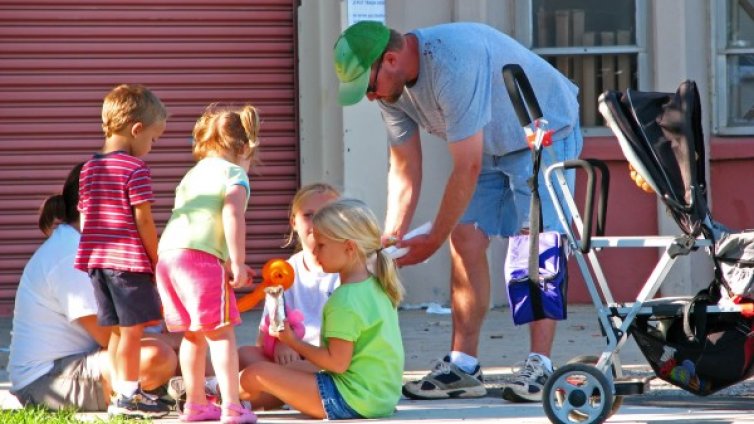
372	88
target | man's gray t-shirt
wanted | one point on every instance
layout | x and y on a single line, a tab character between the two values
460	89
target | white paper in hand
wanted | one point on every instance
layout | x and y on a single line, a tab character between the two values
396	252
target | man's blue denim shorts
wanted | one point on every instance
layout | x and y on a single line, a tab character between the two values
335	406
501	202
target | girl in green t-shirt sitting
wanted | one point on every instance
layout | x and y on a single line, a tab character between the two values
361	353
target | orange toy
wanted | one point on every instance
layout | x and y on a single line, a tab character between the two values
276	272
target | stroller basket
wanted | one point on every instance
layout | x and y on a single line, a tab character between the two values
701	365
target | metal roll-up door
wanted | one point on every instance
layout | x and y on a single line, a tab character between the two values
58	60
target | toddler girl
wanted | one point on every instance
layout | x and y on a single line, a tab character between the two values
202	256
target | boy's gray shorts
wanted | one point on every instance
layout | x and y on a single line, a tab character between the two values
73	381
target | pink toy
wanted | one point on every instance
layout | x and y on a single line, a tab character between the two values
295	319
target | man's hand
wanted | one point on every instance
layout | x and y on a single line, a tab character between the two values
467	164
420	248
388	240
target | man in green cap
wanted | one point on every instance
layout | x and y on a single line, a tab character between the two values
358	48
447	79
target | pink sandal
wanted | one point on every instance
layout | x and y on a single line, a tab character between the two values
197	412
244	416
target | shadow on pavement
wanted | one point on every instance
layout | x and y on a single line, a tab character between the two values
731	403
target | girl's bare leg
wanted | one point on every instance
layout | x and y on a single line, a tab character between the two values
294	387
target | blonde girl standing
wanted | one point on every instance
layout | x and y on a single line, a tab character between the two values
362	353
202	257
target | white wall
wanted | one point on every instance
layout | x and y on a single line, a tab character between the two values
320	117
681	50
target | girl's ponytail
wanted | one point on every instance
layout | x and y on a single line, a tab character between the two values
51	212
62	207
227	129
250	121
386	273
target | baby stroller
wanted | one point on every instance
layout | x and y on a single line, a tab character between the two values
701	343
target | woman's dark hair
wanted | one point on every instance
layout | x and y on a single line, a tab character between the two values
62	207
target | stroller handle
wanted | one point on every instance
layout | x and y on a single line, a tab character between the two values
588	165
521	94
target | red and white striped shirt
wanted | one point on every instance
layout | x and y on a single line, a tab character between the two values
109	185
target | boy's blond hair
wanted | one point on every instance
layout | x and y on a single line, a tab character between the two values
225	129
351	219
128	104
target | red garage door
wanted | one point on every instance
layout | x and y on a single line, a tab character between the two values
58	60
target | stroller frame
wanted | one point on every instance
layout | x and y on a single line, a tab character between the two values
591	391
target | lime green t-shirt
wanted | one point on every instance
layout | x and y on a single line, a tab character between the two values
362	313
196	222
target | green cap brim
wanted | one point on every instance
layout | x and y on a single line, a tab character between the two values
349	93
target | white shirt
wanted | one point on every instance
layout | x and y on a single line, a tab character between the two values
309	293
52	295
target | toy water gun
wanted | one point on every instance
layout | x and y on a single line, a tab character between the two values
295	319
276	272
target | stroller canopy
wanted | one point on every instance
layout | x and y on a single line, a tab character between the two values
661	136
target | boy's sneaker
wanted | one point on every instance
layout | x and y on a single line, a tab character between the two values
138	405
446	380
528	381
161	394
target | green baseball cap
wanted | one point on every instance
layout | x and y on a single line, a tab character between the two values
355	51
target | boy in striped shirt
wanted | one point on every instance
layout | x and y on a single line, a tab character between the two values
118	245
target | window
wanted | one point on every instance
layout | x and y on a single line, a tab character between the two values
598	44
734	66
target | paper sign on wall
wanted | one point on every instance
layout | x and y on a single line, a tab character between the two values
366	10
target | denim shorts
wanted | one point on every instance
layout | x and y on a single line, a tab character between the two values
501	202
335	406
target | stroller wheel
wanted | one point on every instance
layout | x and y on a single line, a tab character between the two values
577	393
592	360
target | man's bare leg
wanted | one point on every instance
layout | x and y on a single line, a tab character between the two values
529	381
470	296
541	336
470	286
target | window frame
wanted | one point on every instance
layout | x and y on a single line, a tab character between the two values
524	33
719	73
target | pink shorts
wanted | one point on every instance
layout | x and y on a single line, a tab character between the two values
195	292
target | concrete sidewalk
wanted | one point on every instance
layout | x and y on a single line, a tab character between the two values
427	336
